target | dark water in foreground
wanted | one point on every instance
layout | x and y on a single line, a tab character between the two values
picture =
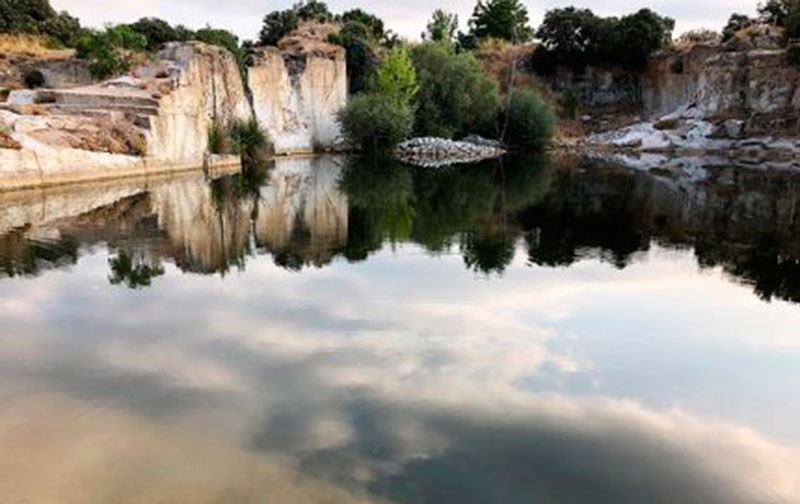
330	332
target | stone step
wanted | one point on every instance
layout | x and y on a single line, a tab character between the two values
84	110
103	100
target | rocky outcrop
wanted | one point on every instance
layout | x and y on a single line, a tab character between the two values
744	95
297	91
432	152
157	119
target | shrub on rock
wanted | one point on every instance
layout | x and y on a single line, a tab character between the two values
375	121
531	120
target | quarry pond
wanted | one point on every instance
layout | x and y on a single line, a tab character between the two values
340	330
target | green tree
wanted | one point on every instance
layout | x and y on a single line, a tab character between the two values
313	10
157	31
442	27
373	23
531	120
455	98
573	37
736	23
359	44
502	19
641	35
277	25
375	122
224	39
783	13
24	15
111	50
133	271
63	28
396	77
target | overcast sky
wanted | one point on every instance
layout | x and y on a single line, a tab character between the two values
406	17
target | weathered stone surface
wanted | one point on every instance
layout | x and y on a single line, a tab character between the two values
296	94
434	152
156	118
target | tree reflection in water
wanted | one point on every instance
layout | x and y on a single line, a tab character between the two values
308	212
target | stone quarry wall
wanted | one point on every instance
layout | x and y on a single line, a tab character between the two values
296	96
748	79
205	88
671	80
596	86
155	120
158	118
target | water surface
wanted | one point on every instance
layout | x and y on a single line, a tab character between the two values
333	330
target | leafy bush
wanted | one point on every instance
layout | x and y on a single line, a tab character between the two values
784	13
39	17
359	43
396	77
373	23
313	10
277	25
531	120
111	51
156	31
503	19
242	138
700	36
736	23
34	79
455	98
374	121
442	27
248	140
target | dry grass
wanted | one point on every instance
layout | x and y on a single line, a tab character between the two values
31	45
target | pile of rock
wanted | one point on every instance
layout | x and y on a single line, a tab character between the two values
435	152
684	131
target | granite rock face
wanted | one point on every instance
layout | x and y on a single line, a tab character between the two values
156	119
296	94
747	79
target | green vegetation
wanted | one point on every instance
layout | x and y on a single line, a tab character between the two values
699	36
38	17
360	46
501	19
442	27
111	51
736	23
375	121
531	120
241	138
133	270
783	13
577	37
396	78
455	98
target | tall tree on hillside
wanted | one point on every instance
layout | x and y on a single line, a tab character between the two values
313	10
503	19
784	13
157	31
736	22
442	27
373	23
277	25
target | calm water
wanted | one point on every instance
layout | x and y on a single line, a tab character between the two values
331	331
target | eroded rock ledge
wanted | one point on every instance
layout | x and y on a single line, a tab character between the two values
159	116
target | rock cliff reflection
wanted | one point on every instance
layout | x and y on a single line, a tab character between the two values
531	331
